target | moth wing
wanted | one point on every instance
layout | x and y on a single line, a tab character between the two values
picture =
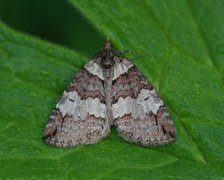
138	112
80	116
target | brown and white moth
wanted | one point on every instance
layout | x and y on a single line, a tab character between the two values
108	91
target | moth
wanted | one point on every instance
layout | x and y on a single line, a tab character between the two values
109	90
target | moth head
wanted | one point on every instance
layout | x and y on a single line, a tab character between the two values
107	45
108	56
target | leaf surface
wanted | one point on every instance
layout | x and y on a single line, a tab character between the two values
179	48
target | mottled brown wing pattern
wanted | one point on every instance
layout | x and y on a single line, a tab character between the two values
109	90
80	115
138	112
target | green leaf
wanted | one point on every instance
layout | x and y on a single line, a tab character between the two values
180	49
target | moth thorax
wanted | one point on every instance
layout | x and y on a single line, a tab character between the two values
107	62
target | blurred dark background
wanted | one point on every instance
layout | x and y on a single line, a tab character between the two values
53	20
